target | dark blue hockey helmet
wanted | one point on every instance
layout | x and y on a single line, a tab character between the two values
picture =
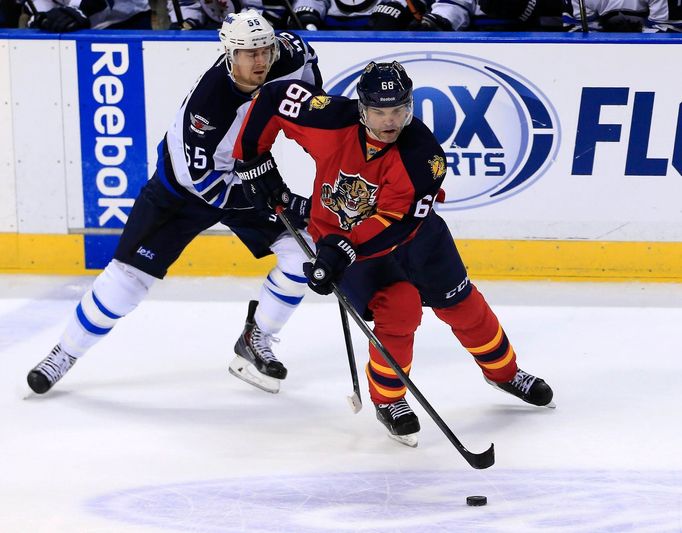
384	85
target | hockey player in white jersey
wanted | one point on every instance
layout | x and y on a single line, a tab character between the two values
193	188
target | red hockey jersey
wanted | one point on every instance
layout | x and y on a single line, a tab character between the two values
378	199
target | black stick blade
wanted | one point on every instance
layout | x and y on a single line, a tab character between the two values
483	460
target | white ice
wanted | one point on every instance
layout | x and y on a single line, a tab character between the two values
149	432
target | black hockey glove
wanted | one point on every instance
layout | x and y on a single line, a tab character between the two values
90	7
531	11
309	19
622	22
263	185
430	22
508	9
298	210
389	16
334	255
36	21
63	19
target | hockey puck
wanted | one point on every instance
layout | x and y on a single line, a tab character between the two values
476	501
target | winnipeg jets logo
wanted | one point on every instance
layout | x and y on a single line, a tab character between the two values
199	124
352	199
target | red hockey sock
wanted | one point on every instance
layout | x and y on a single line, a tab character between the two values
397	314
477	328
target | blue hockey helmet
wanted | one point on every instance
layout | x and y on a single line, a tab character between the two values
384	85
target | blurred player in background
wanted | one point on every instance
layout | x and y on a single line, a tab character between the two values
209	14
62	16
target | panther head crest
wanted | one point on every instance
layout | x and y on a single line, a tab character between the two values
352	199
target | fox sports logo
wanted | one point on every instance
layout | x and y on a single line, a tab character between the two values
498	131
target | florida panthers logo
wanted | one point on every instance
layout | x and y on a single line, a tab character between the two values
351	198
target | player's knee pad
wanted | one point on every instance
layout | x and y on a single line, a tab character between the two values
120	288
467	313
115	292
290	257
397	309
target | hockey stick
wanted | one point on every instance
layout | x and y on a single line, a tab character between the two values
178	12
583	16
354	400
30	6
476	460
293	14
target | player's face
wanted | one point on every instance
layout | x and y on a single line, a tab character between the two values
386	123
250	67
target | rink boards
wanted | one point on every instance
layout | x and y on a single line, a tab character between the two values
564	152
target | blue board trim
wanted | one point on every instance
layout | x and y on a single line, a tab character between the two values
361	36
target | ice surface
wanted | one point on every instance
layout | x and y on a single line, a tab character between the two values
150	433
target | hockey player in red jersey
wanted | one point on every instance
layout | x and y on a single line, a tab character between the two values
379	171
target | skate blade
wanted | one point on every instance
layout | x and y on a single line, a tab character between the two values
25	392
408	440
550	405
242	369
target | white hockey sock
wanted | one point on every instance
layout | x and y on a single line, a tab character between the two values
279	297
114	293
285	285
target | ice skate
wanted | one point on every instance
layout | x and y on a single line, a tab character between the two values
529	388
255	363
50	370
400	420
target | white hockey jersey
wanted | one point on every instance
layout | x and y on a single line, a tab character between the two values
205	12
656	15
664	15
457	12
